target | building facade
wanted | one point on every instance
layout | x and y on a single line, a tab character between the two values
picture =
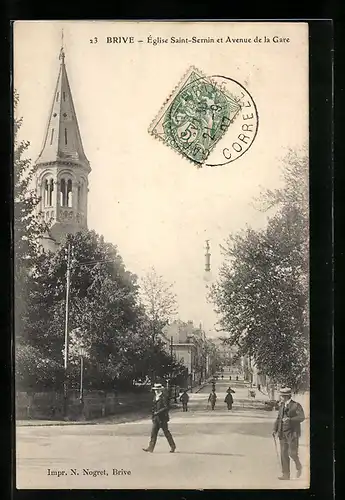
188	345
185	353
62	168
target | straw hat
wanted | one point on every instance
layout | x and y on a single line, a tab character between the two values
157	387
285	391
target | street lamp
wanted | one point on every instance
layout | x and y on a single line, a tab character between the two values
82	354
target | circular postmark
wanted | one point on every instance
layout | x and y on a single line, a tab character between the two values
243	129
212	121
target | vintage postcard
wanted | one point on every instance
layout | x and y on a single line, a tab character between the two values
161	240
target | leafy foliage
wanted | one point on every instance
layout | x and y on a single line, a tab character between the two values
33	371
159	302
105	316
31	368
262	291
28	223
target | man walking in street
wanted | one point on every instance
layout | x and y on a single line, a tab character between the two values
184	400
212	399
229	400
160	418
288	428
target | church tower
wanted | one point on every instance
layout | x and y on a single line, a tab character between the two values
62	168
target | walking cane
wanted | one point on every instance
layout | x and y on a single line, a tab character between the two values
276	447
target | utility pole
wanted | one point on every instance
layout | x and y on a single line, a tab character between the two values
207	257
153	369
68	256
82	354
171	372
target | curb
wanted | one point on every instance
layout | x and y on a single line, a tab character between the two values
201	387
116	418
61	423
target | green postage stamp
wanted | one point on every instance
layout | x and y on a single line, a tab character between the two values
196	116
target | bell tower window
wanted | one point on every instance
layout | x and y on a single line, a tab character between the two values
52	136
57	96
48	193
45	195
69	193
65	135
63	193
66	193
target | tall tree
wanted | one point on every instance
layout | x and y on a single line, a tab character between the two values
102	303
159	302
262	290
160	305
28	225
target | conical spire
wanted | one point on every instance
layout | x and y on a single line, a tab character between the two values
62	140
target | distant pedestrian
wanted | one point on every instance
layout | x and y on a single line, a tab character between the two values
230	377
251	393
229	400
160	418
288	428
236	377
222	377
212	399
184	398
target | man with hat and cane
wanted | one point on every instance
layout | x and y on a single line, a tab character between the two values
288	428
160	418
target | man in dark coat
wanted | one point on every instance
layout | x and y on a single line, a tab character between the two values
229	400
288	428
184	400
160	419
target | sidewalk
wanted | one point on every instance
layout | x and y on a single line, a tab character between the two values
198	388
126	416
116	419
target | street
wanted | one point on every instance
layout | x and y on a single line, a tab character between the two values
217	449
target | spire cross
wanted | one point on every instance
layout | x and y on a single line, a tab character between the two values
62	52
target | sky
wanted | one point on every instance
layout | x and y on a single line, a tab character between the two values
157	207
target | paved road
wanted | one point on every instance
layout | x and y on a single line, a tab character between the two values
215	449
